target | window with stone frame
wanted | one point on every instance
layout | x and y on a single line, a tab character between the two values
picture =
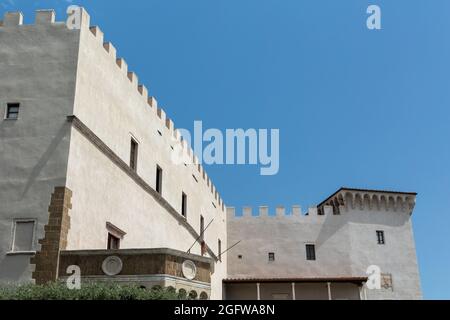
115	236
113	242
23	235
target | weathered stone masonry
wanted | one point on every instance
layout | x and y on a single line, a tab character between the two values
136	262
47	259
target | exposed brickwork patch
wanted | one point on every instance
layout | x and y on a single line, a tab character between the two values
55	238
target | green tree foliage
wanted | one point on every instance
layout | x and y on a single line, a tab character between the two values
88	291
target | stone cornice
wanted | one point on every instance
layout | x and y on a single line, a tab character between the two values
124	252
361	199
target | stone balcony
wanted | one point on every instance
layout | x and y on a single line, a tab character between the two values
143	267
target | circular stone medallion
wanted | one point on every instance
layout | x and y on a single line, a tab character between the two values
189	269
112	266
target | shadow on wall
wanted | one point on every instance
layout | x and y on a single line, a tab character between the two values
60	135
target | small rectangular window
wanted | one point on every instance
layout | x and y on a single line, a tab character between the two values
23	236
159	173
271	256
219	249
380	237
310	252
184	205
113	242
12	111
133	155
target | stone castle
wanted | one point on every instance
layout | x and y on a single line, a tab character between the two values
87	180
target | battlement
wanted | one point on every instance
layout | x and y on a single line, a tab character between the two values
279	211
178	145
342	201
42	17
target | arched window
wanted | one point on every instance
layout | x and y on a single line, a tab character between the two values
203	296
157	288
182	294
171	289
193	295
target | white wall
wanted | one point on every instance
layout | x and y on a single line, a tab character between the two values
110	105
346	245
37	68
287	236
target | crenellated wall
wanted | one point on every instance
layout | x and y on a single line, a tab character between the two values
344	200
47	18
106	98
157	112
344	236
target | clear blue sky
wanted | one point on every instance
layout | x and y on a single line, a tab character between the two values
355	108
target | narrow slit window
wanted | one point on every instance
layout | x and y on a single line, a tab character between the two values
184	205
219	249
133	154
159	176
380	237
